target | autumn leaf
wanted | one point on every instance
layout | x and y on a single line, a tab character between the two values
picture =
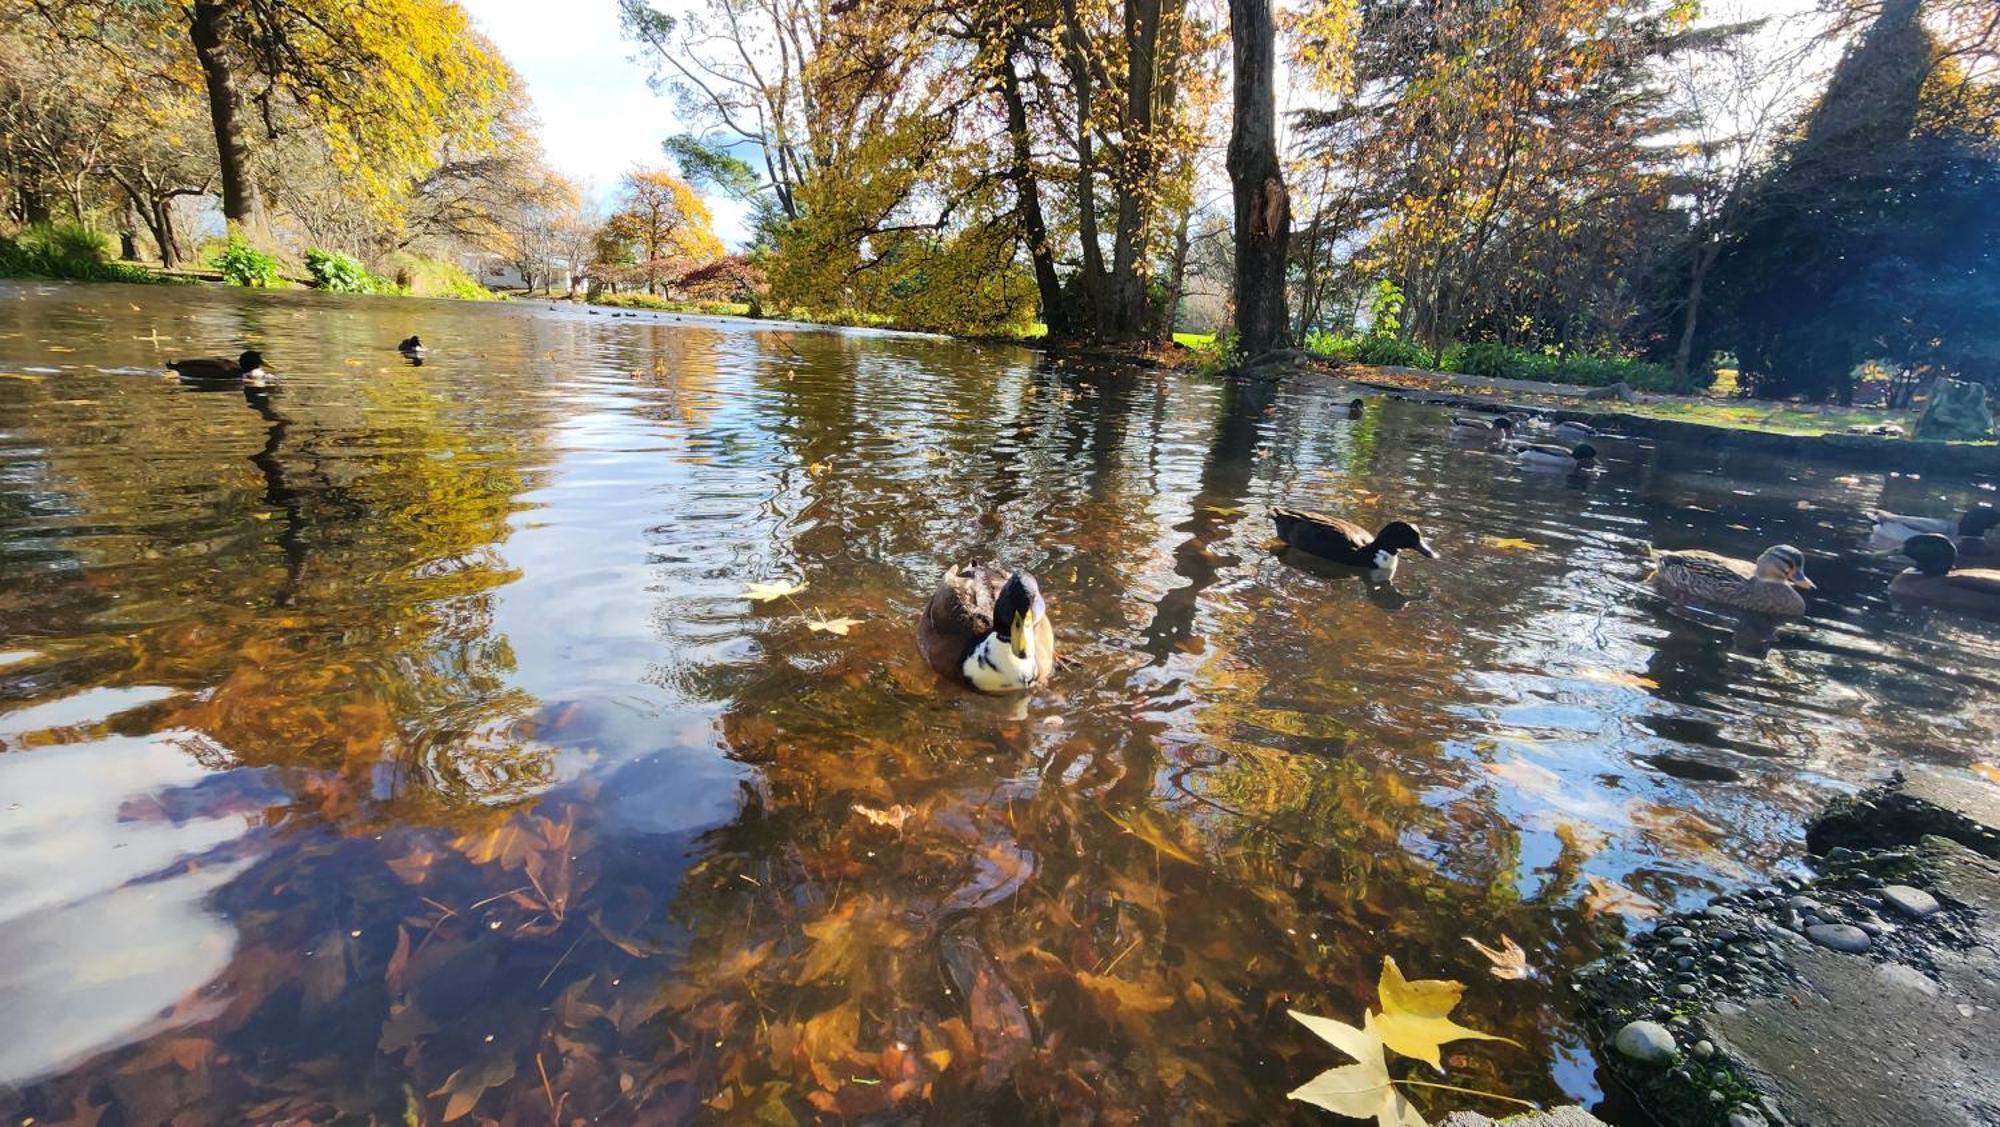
1610	896
1415	1015
1510	961
893	817
837	626
469	1083
1618	677
1513	544
1361	1090
765	592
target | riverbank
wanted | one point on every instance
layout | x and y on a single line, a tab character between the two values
1864	995
1780	430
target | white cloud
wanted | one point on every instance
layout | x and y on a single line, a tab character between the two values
598	116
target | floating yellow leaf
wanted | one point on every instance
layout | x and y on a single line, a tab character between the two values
818	468
777	589
1610	896
1509	961
838	626
1415	1015
1512	543
1988	770
1361	1090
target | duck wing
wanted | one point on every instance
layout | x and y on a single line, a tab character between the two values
1320	533
1904	527
960	612
1698	570
1978	581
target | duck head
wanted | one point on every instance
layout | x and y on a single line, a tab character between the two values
1354	409
1785	564
1398	535
1017	610
1933	554
1585	455
250	361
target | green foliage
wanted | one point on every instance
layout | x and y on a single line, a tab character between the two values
1387	350
666	305
1333	346
337	273
65	250
703	163
430	277
1385	309
1217	355
1494	360
244	265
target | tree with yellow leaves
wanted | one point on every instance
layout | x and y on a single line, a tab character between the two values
661	230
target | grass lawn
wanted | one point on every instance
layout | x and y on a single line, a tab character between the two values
1785	418
1194	340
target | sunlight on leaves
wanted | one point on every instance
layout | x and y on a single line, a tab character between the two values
1415	1015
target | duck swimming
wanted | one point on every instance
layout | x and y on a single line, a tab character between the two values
989	629
1895	528
1769	586
1354	409
218	371
412	346
1343	541
1936	582
1569	428
1478	426
1582	456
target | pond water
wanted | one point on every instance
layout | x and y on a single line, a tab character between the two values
400	743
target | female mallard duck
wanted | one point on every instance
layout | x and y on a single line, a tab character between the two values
1934	581
1582	456
1894	528
1769	586
988	628
1482	426
1343	541
247	368
1570	428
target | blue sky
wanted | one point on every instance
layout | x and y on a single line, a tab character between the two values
599	118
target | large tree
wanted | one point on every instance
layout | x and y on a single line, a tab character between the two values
1263	209
662	228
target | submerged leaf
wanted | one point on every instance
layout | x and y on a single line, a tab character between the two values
1610	896
1415	1015
839	626
893	817
777	589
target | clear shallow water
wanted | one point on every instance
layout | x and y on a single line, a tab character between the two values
402	739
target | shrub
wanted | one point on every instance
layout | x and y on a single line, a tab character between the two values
64	250
1493	360
1333	346
244	265
337	273
430	277
1388	350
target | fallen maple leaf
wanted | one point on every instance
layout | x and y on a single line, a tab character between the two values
1361	1090
765	592
1619	677
1610	896
1510	961
1512	543
838	626
1415	1015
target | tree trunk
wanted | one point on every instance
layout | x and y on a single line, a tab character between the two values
1176	281
1029	199
163	233
1095	303
241	201
1128	289
1263	211
1698	276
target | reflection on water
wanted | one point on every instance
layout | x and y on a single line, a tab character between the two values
399	738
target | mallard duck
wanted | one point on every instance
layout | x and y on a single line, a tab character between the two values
1896	528
1343	541
1582	456
1482	426
247	368
1769	586
412	346
989	629
1935	581
1570	428
1354	408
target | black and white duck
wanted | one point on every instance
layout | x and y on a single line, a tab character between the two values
1344	542
220	371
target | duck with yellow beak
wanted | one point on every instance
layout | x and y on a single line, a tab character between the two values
989	629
